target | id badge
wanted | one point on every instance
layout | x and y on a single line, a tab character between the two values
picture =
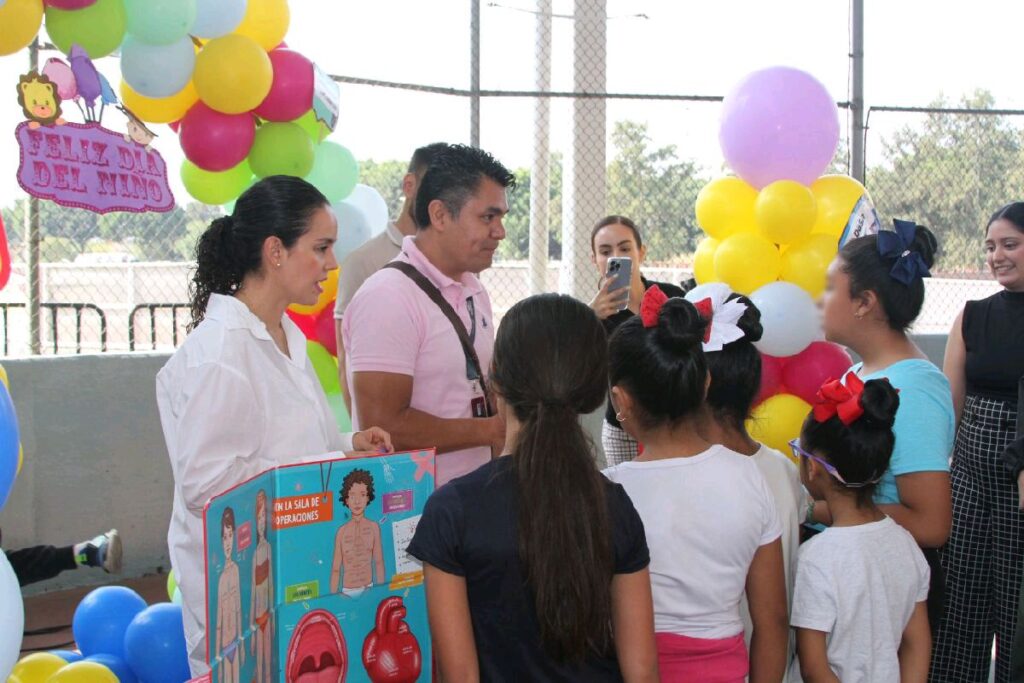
478	403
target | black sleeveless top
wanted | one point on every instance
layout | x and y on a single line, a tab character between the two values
993	331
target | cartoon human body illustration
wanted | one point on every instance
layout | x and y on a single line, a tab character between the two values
39	100
262	596
229	606
357	545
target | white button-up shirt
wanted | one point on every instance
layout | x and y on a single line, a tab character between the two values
232	406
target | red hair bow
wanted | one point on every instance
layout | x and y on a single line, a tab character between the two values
835	398
651	305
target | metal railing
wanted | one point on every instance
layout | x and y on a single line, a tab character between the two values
53	310
152	309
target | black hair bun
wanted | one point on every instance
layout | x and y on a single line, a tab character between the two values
925	244
750	322
680	325
880	402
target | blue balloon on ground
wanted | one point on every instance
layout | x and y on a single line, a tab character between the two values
102	618
154	645
69	656
120	667
9	441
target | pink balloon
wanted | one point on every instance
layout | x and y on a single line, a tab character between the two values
325	330
771	377
306	323
291	93
214	141
175	125
779	123
806	372
70	4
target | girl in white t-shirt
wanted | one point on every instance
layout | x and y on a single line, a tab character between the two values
859	604
735	367
711	523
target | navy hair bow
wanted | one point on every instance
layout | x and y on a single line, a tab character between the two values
897	244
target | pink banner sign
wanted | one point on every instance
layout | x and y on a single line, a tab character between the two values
89	167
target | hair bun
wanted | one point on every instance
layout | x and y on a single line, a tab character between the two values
680	325
750	322
925	244
880	402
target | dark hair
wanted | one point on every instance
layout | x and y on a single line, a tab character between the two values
869	270
662	367
861	451
232	247
453	176
550	365
227	519
1013	212
736	370
357	477
424	156
615	220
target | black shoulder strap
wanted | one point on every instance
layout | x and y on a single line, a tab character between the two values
460	328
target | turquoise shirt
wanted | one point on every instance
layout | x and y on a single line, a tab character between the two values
925	422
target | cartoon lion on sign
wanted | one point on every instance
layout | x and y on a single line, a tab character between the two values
38	98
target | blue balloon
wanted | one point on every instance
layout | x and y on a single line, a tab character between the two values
69	656
9	444
154	645
216	18
102	618
117	665
157	70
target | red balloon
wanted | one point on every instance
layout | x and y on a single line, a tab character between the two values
325	330
821	361
291	93
306	323
771	377
70	4
175	125
214	141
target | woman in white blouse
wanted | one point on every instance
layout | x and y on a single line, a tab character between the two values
240	396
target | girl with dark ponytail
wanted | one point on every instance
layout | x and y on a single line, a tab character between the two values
535	564
710	518
859	603
240	396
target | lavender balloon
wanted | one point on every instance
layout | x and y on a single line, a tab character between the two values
779	123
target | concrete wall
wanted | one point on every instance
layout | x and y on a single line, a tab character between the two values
95	457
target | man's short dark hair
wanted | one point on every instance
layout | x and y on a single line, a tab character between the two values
454	175
424	156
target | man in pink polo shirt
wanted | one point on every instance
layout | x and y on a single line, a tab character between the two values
410	369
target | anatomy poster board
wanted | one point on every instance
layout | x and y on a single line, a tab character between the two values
307	578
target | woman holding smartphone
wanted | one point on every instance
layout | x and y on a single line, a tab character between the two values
618	251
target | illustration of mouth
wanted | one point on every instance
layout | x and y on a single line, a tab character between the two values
317	651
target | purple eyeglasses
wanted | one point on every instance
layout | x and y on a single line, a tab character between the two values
801	453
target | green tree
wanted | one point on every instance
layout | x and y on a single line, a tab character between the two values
516	245
385	177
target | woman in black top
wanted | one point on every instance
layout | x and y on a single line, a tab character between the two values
619	236
984	558
535	564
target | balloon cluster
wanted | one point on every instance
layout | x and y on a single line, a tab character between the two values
120	640
773	230
12	613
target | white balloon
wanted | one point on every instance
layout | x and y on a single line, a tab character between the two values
361	215
708	290
373	206
789	317
12	617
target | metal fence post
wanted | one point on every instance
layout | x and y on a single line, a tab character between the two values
474	73
33	242
857	129
540	181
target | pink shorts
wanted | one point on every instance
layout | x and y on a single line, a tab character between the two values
682	659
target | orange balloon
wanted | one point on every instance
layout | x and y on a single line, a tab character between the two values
329	294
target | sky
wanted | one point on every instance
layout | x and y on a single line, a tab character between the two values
914	52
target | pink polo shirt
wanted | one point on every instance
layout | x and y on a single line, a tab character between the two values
392	326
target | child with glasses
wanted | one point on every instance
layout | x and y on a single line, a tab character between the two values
859	604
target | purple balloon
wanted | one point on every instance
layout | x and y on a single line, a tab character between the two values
779	123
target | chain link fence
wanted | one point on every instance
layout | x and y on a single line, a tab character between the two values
119	282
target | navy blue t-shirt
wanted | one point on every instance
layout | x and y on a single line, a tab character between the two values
469	529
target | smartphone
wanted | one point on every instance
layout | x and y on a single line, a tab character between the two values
620	274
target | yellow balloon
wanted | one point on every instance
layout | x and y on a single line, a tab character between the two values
804	263
233	74
704	260
777	420
725	206
83	672
19	23
785	211
747	261
38	667
329	294
162	109
266	22
837	195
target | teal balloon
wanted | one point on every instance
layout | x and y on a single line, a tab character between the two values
160	22
281	149
340	412
325	367
216	18
157	70
335	171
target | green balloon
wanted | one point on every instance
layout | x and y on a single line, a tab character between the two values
160	22
335	171
98	28
229	206
172	584
215	187
341	417
316	129
281	149
325	366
